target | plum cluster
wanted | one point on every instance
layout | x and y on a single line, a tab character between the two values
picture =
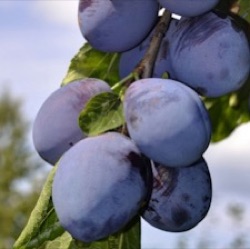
154	167
157	170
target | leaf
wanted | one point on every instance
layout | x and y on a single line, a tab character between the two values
244	6
225	117
43	224
102	113
91	63
64	241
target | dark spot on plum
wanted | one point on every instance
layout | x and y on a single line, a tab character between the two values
179	215
196	30
71	144
157	218
205	198
116	200
144	167
133	119
135	159
185	197
150	209
192	206
155	200
83	4
176	22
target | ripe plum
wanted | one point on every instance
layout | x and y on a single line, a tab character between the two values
56	127
99	186
167	120
117	25
210	53
180	198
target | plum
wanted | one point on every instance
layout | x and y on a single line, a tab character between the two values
99	186
56	128
210	53
117	25
181	197
167	120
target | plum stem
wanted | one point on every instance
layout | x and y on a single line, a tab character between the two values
127	79
145	67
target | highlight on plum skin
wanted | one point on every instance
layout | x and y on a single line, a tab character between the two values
56	127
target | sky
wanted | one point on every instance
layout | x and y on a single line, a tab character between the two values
38	40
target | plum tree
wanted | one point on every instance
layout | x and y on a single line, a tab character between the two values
167	120
118	25
181	197
210	53
56	128
189	8
99	186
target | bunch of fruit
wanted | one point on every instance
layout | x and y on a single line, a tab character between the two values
154	166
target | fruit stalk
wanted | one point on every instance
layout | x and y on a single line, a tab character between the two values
145	67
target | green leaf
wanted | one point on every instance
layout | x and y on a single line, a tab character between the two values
91	63
226	117
244	9
102	113
64	241
43	224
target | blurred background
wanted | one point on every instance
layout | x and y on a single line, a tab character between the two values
37	41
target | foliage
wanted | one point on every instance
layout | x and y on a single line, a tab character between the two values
90	63
16	164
